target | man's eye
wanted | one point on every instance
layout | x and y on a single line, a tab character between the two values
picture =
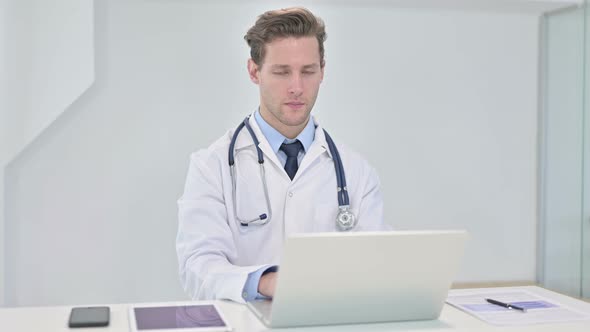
281	73
309	72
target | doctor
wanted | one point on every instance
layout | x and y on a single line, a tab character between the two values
233	220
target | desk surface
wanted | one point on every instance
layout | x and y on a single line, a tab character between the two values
28	319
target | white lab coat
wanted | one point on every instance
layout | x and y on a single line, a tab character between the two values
216	253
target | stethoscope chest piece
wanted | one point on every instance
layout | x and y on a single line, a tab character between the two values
345	219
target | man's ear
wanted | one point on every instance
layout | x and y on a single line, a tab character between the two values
253	71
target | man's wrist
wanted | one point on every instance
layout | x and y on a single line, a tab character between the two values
250	291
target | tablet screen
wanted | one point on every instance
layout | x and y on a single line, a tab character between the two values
191	316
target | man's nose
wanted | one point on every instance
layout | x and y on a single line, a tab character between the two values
296	87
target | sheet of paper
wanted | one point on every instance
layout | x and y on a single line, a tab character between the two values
538	309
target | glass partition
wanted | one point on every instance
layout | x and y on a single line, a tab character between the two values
564	176
586	162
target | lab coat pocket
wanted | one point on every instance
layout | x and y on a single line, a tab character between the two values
325	217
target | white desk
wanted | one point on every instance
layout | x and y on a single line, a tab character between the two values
50	319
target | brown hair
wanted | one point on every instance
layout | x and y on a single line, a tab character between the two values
289	22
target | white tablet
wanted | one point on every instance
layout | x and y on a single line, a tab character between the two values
178	318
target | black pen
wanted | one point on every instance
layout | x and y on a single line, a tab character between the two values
506	305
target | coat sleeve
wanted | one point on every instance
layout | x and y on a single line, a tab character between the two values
204	243
371	207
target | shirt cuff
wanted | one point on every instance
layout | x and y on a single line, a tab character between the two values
250	291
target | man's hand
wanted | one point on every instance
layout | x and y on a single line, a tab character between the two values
267	284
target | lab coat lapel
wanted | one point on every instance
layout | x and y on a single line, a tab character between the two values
244	140
317	148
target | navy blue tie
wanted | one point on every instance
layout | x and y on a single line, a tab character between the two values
292	151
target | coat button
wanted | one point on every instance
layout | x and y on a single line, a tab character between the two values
290	194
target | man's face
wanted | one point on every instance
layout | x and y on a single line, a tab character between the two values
289	80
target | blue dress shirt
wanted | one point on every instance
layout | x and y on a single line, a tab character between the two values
275	139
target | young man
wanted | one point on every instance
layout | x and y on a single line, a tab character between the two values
233	220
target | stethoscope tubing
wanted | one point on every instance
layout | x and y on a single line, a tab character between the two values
342	190
343	199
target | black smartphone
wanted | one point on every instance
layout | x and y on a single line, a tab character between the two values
89	316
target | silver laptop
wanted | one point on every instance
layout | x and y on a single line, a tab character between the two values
343	278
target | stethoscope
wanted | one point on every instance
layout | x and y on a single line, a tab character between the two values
345	219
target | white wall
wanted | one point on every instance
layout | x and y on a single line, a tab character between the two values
51	55
61	62
47	62
456	95
442	103
3	139
18	42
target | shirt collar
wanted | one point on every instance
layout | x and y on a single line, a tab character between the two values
275	139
